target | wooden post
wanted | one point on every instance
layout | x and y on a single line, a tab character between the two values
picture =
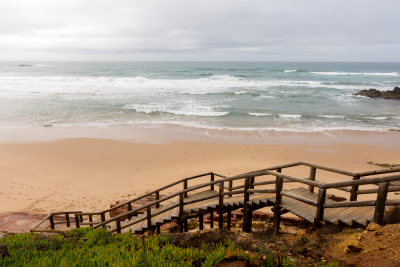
313	171
51	222
278	199
157	198
201	221
118	226
149	218
251	186
228	220
354	189
212	220
380	203
185	186
279	170
230	186
129	209
90	220
158	228
247	213
185	225
221	206
212	180
103	217
180	220
67	219
320	206
77	221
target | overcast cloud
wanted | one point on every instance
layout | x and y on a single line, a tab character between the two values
285	30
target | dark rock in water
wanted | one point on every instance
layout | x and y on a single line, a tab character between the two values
373	93
25	65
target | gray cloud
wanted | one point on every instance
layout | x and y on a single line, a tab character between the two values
308	30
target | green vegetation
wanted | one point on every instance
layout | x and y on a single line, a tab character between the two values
88	247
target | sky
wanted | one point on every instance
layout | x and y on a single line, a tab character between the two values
188	30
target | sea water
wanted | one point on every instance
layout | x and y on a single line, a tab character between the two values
240	96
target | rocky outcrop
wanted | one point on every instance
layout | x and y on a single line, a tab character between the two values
22	222
135	204
373	93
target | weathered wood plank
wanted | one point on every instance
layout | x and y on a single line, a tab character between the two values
348	219
335	218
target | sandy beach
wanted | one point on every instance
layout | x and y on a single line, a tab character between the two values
44	171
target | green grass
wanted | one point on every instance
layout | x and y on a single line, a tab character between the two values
88	247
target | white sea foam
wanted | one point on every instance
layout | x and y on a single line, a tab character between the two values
266	97
332	116
186	110
291	116
290	70
356	73
377	118
42	65
259	114
240	93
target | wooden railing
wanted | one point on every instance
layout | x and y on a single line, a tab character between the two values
247	188
79	215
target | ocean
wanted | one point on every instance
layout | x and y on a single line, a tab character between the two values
239	96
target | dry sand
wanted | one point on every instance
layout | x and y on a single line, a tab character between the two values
51	174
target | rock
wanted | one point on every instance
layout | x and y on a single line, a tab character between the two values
299	222
335	198
22	222
120	210
352	243
263	215
373	227
237	213
170	227
373	93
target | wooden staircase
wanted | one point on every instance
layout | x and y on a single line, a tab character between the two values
200	199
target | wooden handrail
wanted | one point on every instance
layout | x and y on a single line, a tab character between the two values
350	204
326	168
296	179
302	199
163	188
380	171
51	215
372	191
365	181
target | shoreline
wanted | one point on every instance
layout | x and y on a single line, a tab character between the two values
52	169
173	133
